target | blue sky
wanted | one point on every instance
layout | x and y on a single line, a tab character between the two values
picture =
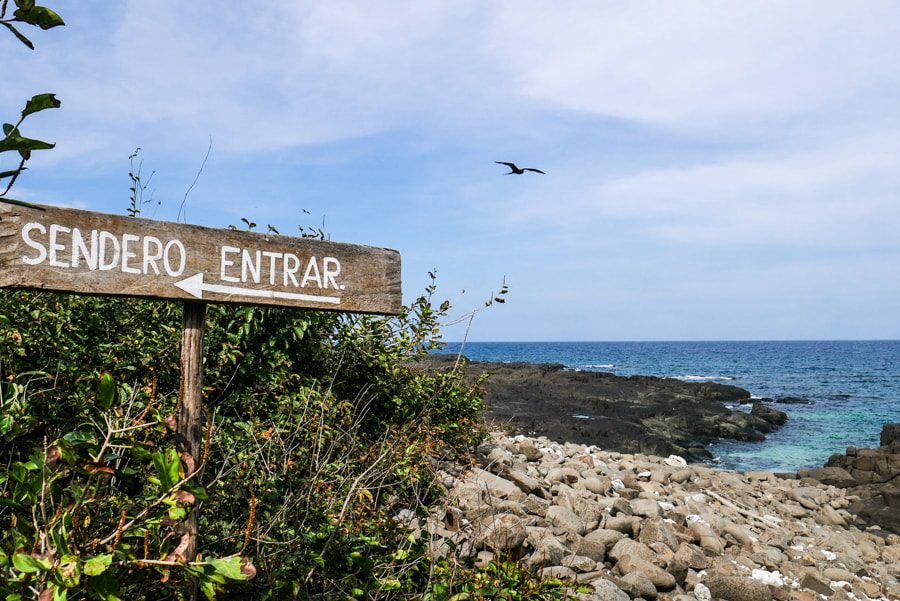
715	170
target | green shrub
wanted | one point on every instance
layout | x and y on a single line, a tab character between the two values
319	432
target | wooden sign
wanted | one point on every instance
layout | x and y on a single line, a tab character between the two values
82	252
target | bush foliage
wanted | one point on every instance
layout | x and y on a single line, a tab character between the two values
318	433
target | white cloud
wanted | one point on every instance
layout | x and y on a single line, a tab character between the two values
839	196
702	64
292	74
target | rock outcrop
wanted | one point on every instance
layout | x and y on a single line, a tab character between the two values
637	414
871	475
645	527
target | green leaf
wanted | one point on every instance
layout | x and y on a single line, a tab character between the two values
68	572
209	589
196	490
106	587
173	464
159	462
140	452
176	514
79	439
229	567
25	4
22	144
107	391
6	423
5	174
39	16
97	565
66	451
168	466
39	103
29	564
16	33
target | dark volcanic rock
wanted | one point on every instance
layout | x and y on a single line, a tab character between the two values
793	400
646	414
770	414
876	479
890	437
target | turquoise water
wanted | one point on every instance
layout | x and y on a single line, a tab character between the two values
855	386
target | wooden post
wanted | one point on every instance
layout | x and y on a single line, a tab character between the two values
190	417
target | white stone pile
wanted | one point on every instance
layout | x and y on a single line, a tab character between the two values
644	527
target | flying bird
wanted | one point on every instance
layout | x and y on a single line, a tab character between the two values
515	170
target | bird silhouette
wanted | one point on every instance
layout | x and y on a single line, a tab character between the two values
515	170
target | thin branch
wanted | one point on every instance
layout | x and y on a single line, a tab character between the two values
181	209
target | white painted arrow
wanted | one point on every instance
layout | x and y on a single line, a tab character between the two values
194	286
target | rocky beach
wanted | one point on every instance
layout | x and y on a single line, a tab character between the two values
619	526
593	480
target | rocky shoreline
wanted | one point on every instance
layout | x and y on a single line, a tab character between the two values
636	414
634	526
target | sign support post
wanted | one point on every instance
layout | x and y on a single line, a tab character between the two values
190	416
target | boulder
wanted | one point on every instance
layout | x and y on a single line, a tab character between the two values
606	537
531	452
526	483
593	548
656	530
559	572
495	485
497	459
501	533
637	585
596	485
736	588
548	553
833	476
535	505
708	539
626	546
579	563
566	519
605	590
626	524
816	583
661	579
890	436
647	508
770	414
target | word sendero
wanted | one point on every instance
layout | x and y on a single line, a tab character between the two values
103	251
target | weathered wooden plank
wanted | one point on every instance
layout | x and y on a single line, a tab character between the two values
83	252
190	414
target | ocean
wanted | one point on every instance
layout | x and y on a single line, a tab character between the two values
855	386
